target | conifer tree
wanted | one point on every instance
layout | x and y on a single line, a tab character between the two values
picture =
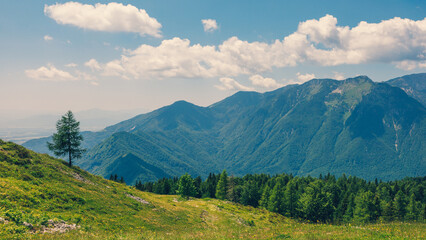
388	212
67	139
276	199
349	213
365	209
264	200
250	194
222	186
412	212
290	198
400	205
233	193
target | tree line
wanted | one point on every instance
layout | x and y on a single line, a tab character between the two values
323	199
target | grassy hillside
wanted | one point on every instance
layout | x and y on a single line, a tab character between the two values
40	195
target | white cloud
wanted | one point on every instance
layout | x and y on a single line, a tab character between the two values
111	17
47	38
390	40
49	73
290	81
258	80
305	77
230	84
93	64
338	76
84	76
178	58
209	25
409	65
319	42
71	65
94	83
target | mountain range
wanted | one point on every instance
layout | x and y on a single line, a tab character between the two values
354	126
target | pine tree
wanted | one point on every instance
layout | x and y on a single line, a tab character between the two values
276	199
349	213
264	200
400	205
315	204
197	185
233	190
290	198
365	210
67	139
388	209
412	213
222	186
250	194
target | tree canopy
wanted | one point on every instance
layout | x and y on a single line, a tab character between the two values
67	139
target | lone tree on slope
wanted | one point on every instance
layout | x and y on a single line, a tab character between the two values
67	140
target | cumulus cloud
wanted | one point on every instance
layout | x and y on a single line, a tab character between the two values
93	64
318	41
47	38
305	77
290	81
230	84
71	65
111	17
258	80
209	25
409	65
49	73
338	76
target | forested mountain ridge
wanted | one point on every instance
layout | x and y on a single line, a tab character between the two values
355	126
414	85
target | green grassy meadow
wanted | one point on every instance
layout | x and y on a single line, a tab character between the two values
36	189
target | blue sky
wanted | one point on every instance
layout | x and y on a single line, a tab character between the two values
60	55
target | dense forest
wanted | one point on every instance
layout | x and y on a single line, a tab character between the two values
323	199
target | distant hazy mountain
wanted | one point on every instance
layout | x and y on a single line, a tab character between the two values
89	119
414	85
355	126
21	129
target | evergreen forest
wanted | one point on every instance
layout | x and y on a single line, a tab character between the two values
325	199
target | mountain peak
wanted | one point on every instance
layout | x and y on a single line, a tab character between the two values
414	85
359	79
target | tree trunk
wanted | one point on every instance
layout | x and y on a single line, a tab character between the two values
69	158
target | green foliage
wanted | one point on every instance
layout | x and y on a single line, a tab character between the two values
186	186
276	199
222	186
67	139
291	199
365	210
324	199
315	204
